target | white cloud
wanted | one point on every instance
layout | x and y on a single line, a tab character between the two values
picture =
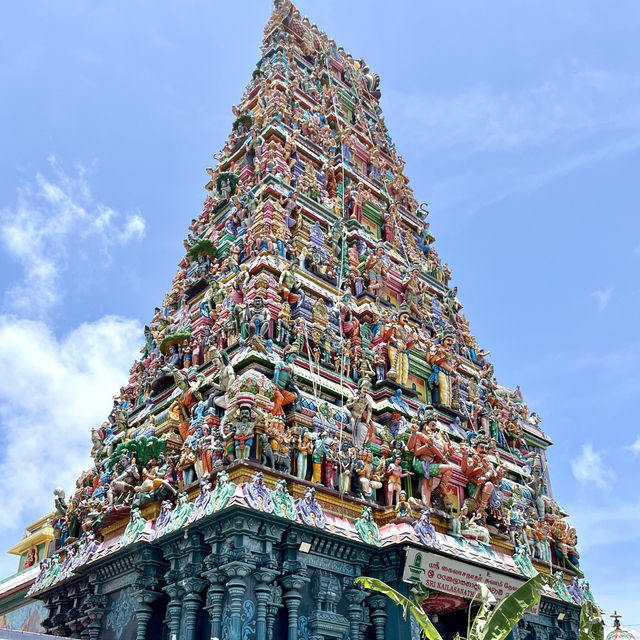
573	102
609	530
635	447
52	392
605	523
498	184
589	468
42	231
603	297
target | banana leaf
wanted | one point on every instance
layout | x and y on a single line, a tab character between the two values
591	625
498	624
418	593
487	601
407	605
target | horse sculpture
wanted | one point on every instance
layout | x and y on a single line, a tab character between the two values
122	487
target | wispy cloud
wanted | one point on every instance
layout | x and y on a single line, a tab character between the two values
589	468
52	215
603	297
502	182
573	102
634	447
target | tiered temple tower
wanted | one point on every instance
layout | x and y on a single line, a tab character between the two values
309	405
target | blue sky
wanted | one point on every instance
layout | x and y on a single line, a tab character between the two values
520	124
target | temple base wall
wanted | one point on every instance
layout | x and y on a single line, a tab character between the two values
238	576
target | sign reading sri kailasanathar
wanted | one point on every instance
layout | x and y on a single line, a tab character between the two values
451	576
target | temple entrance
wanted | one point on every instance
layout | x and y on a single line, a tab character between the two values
448	613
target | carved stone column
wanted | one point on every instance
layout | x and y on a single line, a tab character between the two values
96	607
273	606
215	598
237	571
192	602
378	608
217	582
174	609
292	584
144	610
354	598
263	577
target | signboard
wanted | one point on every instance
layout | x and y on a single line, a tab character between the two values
447	575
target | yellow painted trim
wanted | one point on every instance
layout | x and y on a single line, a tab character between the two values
45	534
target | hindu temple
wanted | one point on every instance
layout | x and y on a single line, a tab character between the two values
309	406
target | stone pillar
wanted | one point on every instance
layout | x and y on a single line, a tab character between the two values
273	606
144	610
378	608
237	571
96	608
292	584
263	578
354	598
191	602
174	610
215	597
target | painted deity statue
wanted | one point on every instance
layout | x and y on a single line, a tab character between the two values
360	408
523	562
367	528
560	587
289	286
432	449
283	503
304	450
286	393
425	530
163	520
394	473
201	503
310	509
257	494
135	527
239	425
482	477
443	363
399	338
222	493
181	512
375	268
221	380
403	506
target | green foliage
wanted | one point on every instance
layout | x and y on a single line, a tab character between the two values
174	338
243	118
591	624
203	246
407	605
488	624
142	449
497	624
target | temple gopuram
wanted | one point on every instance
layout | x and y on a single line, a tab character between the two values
309	406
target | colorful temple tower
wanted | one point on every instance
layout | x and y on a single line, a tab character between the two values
309	405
